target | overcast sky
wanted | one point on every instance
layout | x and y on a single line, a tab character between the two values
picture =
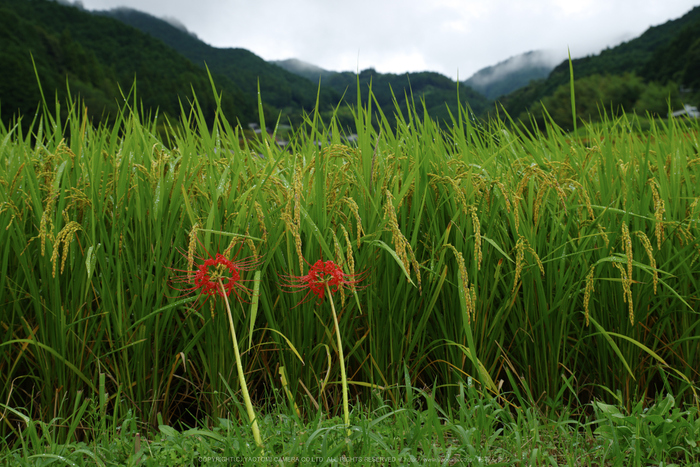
453	37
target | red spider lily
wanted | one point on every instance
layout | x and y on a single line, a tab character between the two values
328	276
222	276
320	274
206	276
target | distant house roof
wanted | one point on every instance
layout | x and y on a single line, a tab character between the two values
688	110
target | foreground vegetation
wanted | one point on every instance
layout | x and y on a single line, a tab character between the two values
101	53
511	287
476	430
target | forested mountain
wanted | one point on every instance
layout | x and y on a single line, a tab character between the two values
437	91
100	54
677	61
659	56
97	56
279	88
511	74
297	88
307	70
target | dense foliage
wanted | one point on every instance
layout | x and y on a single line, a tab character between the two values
96	57
291	94
437	94
678	61
647	56
597	95
562	271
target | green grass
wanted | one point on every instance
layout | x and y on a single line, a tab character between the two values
553	273
477	430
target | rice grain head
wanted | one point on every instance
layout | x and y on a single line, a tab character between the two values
297	187
504	192
293	228
231	245
416	266
650	254
297	216
587	201
251	244
622	169
477	237
358	220
397	237
659	210
627	247
520	247
10	205
603	234
537	257
15	179
590	288
65	236
192	246
516	211
456	189
626	290
468	293
693	205
46	223
519	257
339	260
349	256
261	221
542	190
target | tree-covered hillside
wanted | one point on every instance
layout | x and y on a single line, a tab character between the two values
100	55
511	74
279	88
96	56
678	61
307	70
437	91
297	89
636	57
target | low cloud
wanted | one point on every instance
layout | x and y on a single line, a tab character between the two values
533	59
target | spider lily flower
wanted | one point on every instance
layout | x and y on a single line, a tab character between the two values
206	275
327	276
322	274
220	276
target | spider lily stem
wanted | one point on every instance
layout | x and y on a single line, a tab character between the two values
343	376
241	376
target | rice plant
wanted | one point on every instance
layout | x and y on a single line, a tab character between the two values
564	270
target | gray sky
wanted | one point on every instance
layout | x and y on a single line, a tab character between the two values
452	37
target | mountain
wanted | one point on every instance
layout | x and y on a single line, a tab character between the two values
100	54
513	73
97	56
305	69
292	85
286	91
435	89
677	61
631	57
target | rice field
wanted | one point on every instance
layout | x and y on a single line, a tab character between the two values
544	271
